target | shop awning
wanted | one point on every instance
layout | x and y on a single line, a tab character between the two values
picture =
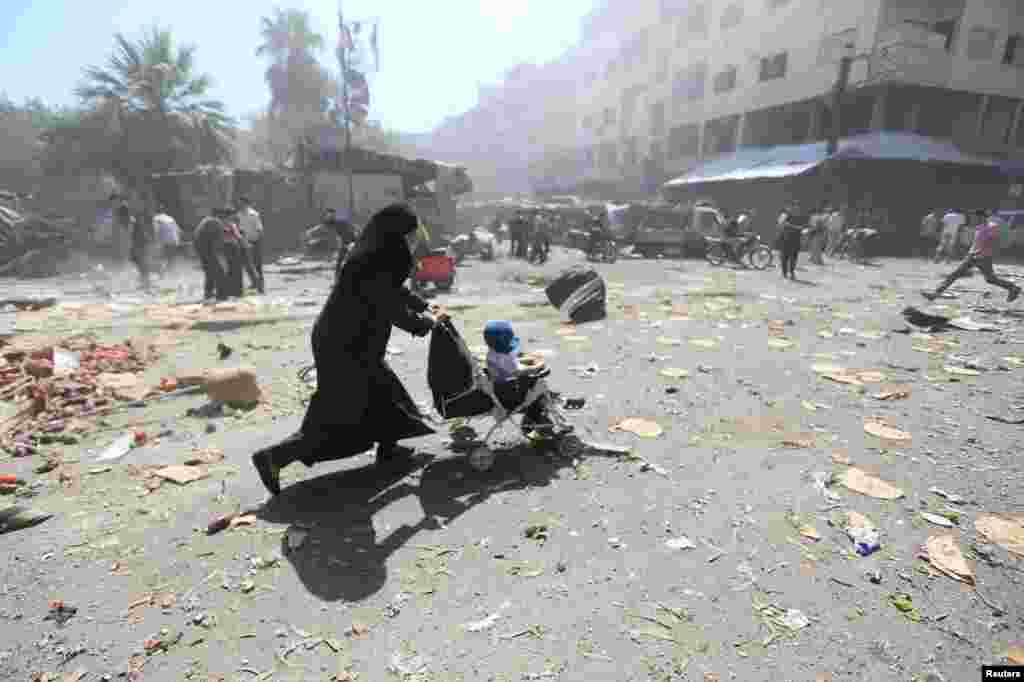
783	170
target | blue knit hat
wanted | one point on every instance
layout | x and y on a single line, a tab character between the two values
499	336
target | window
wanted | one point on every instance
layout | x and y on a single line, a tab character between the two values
684	141
689	84
981	43
1014	53
732	15
658	119
664	59
725	80
774	67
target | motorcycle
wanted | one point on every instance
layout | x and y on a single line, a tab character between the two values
604	251
478	242
749	252
537	254
854	243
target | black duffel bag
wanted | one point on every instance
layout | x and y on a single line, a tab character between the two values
580	294
450	375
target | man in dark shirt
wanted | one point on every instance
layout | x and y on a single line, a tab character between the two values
791	223
141	236
209	242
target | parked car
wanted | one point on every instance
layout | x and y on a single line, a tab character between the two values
676	230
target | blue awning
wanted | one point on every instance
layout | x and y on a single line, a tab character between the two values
752	163
756	173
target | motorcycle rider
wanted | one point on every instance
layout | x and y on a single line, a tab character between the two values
540	241
600	232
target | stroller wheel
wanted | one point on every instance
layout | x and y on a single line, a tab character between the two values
481	458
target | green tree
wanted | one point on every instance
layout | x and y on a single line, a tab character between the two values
146	111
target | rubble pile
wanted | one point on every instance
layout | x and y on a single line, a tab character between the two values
52	390
32	245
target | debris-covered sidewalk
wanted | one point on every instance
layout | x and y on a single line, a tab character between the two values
786	481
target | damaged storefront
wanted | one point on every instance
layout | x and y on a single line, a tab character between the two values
889	180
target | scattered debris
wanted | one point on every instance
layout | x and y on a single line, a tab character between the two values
18	518
60	612
862	533
860	481
904	603
1004	530
937	520
944	555
880	428
681	542
488	622
644	428
950	497
181	474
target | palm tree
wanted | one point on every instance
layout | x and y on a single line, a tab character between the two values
294	76
155	105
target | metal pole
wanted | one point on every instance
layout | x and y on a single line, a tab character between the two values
845	65
343	62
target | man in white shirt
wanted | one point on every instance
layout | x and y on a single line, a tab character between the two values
836	226
168	236
952	222
251	226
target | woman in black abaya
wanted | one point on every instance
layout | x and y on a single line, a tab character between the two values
359	401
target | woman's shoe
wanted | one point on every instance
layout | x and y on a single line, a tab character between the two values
269	473
391	452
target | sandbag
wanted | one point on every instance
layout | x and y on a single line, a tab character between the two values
450	369
580	294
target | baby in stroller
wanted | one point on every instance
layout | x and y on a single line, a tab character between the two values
514	375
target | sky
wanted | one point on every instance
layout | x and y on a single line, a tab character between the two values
433	54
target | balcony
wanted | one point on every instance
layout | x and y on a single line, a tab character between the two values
907	53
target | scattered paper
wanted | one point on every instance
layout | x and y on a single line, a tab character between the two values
937	520
644	428
181	474
704	343
674	373
879	429
860	481
945	556
892	393
488	622
1005	531
118	449
681	542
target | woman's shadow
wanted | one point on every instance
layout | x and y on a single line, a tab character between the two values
341	558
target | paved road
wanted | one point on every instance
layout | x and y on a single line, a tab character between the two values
428	570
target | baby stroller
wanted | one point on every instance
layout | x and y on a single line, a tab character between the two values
464	390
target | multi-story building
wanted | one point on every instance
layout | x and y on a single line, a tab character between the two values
663	84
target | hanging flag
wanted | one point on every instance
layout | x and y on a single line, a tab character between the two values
358	89
355	27
374	48
345	39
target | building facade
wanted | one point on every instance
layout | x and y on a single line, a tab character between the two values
671	82
656	86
